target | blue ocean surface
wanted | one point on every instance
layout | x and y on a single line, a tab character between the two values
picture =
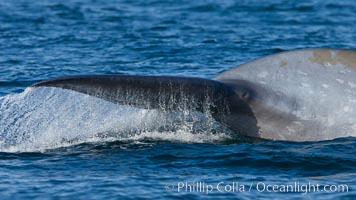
57	144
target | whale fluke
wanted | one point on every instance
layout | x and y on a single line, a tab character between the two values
147	91
167	93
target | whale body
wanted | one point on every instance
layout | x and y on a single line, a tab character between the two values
300	95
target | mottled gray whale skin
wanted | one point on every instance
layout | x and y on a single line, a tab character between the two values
300	95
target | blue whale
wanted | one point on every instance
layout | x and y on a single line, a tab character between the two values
300	95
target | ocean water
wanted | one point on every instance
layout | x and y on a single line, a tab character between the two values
58	144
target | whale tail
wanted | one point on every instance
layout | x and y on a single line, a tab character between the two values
166	93
149	92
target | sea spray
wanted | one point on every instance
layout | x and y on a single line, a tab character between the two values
46	118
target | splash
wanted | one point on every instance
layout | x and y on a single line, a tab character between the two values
46	118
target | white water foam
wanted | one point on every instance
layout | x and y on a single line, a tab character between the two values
46	118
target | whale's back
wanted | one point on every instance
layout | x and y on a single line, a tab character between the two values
322	82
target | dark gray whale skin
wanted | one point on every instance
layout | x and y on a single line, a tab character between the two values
228	105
